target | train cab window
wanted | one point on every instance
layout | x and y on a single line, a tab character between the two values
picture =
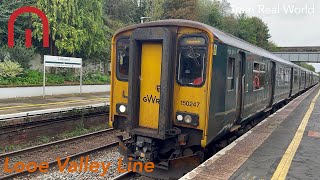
258	76
230	73
123	59
191	61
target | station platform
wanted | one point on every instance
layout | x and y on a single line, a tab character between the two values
283	146
21	107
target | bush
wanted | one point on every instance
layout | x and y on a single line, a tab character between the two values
19	54
32	77
55	79
96	78
9	69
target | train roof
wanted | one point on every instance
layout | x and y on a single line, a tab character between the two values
222	36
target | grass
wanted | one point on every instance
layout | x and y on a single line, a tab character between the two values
79	130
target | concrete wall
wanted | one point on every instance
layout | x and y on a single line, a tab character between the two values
19	92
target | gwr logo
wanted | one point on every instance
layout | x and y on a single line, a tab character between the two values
45	26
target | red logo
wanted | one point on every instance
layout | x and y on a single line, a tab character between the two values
45	25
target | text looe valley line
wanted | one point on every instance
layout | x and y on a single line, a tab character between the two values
82	166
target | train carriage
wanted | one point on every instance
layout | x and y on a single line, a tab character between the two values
179	87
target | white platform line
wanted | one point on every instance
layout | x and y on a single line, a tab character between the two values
5	117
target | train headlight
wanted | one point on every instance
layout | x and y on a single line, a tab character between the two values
188	119
122	108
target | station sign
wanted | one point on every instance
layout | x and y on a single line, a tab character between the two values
61	62
66	62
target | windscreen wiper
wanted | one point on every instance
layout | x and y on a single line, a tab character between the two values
194	56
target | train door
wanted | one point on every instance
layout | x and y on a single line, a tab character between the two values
241	64
291	81
272	84
150	91
151	56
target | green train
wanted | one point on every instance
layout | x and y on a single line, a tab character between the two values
180	87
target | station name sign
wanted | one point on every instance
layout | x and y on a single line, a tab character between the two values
58	61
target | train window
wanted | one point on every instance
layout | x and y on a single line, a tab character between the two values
258	76
191	62
256	66
230	72
123	59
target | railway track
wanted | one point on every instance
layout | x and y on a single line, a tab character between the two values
72	147
28	124
125	176
25	132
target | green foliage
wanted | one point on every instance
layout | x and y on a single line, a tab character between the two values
19	54
35	78
96	78
251	29
273	47
76	27
154	9
307	66
213	12
180	9
9	69
123	11
23	21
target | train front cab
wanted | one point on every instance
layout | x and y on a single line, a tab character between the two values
162	99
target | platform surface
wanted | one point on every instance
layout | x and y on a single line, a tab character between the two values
20	106
284	146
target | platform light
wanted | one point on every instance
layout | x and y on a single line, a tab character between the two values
122	108
188	119
179	117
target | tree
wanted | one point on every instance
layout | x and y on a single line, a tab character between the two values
180	9
230	25
210	13
246	30
251	29
154	9
307	66
122	11
273	47
261	32
76	27
7	7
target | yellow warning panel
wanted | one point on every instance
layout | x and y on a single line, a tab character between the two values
151	57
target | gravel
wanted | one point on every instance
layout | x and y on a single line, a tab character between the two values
110	155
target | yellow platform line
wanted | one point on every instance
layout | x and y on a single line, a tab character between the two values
53	103
285	163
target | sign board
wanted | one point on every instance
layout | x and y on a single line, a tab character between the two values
66	62
61	62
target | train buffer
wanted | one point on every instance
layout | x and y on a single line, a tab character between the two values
24	107
283	146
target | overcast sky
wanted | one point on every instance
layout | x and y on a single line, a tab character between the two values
291	22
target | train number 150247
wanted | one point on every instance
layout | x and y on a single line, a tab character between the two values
190	103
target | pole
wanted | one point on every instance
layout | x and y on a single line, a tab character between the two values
81	79
44	77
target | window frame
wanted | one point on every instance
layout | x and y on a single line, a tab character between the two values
117	60
233	73
260	72
204	47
